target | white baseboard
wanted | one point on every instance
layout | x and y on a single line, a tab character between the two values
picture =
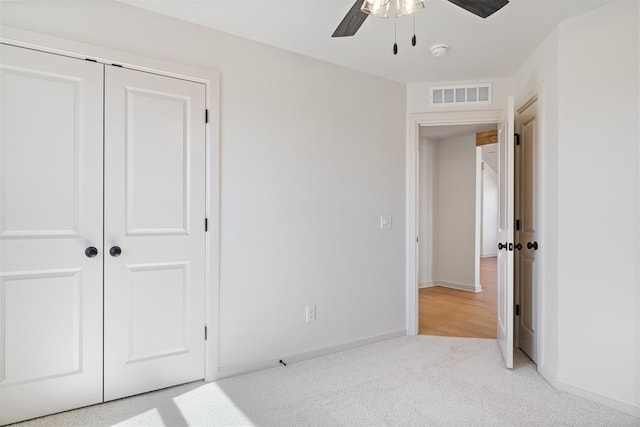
230	371
426	284
491	255
459	286
627	407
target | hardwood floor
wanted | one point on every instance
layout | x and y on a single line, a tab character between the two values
454	313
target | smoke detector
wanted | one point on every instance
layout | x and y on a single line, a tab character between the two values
438	50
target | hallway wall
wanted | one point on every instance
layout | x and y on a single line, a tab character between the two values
427	190
489	212
455	212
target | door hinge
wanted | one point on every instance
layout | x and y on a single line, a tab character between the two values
517	225
516	138
517	309
205	333
417	239
206	116
206	224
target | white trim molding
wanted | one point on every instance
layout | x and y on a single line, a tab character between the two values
230	371
611	402
467	287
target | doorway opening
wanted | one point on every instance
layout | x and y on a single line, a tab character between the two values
457	209
509	240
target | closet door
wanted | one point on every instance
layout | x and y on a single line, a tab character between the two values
154	232
50	218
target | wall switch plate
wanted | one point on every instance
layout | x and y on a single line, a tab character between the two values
311	313
385	222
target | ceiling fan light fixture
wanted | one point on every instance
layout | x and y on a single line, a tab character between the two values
361	9
383	8
377	8
407	7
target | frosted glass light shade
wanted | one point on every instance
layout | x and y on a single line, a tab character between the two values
377	8
407	7
382	8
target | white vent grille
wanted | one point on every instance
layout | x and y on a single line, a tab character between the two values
461	95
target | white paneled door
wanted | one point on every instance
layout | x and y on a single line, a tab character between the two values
505	232
50	233
154	232
102	232
526	260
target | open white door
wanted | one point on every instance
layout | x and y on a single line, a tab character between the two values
505	233
526	259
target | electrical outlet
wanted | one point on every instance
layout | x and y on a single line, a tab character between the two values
385	222
311	313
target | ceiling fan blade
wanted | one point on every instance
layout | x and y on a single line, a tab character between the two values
351	21
482	8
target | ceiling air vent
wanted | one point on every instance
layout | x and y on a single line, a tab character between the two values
461	95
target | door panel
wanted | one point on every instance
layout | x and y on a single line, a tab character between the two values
51	175
157	157
154	291
58	306
505	233
527	258
157	325
527	320
50	211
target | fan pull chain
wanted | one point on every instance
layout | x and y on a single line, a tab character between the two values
413	39
395	35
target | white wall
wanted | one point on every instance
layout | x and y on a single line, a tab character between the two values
590	195
428	187
490	156
542	65
455	212
489	212
311	155
599	194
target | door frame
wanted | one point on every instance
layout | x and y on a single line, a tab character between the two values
211	80
415	120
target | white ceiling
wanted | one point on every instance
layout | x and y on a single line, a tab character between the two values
440	133
480	48
451	131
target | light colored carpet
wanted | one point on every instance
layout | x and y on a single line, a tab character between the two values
415	381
